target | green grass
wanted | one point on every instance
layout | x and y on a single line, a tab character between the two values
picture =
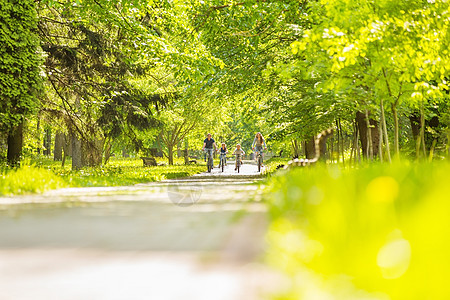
28	179
378	232
42	174
272	164
126	172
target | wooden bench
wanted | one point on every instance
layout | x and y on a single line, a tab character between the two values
149	161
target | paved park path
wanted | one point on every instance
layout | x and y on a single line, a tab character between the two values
195	238
247	169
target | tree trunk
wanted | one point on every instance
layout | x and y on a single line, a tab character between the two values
44	143
296	148
433	145
358	149
332	148
76	153
323	149
418	147
422	129
381	140
59	144
48	142
63	161
362	128
353	152
15	144
414	119
108	150
396	131
179	154
68	145
369	136
338	142
423	139
448	144
386	137
342	141
38	134
186	152
416	131
92	152
170	154
363	133
310	148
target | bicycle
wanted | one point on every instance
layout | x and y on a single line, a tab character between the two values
259	158
238	161
223	160
209	162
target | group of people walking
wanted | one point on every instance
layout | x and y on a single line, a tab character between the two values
209	144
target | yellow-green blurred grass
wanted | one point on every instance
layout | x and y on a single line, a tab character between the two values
28	179
383	230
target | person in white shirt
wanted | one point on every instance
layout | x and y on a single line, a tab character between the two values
239	153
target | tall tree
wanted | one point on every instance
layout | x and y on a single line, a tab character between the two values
99	53
253	40
397	51
20	62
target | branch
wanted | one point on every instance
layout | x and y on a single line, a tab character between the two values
69	113
387	82
175	133
208	12
161	136
182	136
123	18
400	93
53	21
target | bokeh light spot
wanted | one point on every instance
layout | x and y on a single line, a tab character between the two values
394	258
382	189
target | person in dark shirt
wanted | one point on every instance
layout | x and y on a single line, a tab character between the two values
208	144
223	151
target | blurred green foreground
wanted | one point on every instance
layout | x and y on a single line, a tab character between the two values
378	232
